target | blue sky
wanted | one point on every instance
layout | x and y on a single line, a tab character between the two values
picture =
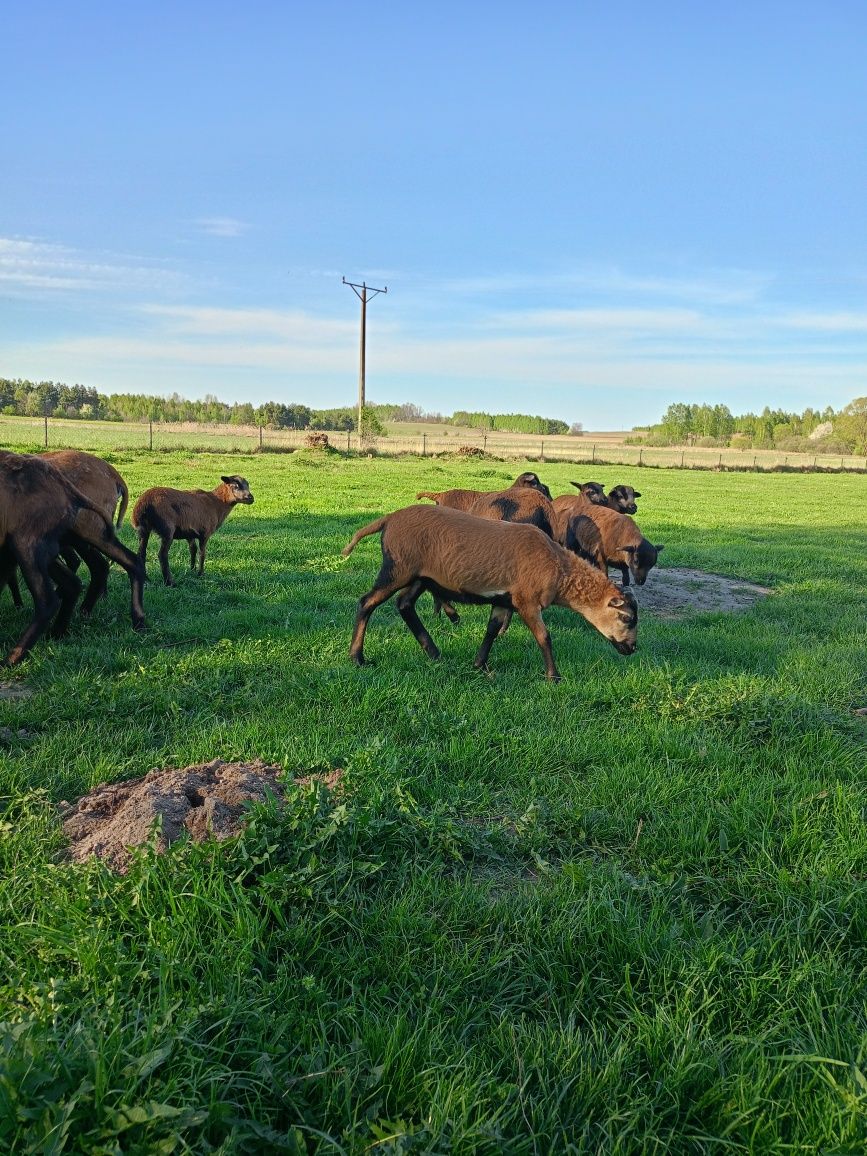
581	210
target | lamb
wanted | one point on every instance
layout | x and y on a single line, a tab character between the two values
40	510
604	537
190	514
464	499
621	498
505	565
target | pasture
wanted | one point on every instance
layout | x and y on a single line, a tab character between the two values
624	913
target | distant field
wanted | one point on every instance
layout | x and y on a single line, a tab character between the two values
622	914
402	438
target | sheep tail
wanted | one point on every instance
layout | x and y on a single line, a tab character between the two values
373	528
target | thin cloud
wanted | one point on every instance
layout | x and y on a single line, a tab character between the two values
29	265
222	226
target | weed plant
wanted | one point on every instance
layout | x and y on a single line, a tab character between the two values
622	914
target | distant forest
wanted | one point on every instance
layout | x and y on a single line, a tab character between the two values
54	399
827	430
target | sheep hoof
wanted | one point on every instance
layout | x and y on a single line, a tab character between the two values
139	626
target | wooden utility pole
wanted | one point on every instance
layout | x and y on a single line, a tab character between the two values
363	292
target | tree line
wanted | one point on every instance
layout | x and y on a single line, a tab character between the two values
828	430
23	398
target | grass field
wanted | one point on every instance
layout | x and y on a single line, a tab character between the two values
622	914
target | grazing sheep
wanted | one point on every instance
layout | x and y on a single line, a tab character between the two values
621	498
464	499
504	565
190	514
99	481
604	537
40	510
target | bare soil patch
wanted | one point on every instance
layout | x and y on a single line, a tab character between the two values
11	691
680	592
204	801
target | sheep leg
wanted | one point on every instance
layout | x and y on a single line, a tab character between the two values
203	542
448	610
8	578
406	609
506	619
624	570
68	587
532	616
165	544
192	545
98	568
366	607
495	628
45	604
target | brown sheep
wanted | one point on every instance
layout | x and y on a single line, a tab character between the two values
621	498
190	514
40	510
464	499
605	538
504	565
99	481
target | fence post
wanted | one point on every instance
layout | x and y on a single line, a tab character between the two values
720	462
347	441
755	459
260	437
640	454
46	442
423	444
542	451
682	452
484	442
593	458
150	434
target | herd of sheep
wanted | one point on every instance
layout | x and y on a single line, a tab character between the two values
516	550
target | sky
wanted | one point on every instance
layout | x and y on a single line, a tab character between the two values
581	210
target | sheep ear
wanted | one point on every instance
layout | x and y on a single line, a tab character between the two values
659	549
616	602
228	481
577	485
629	549
636	494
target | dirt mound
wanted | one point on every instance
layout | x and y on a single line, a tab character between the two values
204	801
679	592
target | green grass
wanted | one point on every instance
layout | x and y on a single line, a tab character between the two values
622	914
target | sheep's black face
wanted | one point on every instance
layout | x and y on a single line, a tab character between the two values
622	499
532	482
239	488
643	561
593	491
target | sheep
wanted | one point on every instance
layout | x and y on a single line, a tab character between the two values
508	566
99	481
621	498
190	514
41	510
464	499
604	537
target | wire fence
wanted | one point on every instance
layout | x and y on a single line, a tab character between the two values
58	433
